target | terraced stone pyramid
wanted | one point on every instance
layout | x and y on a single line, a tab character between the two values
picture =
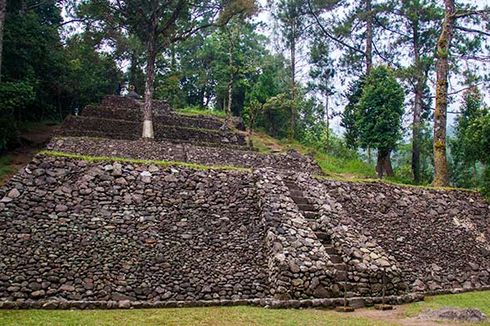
102	219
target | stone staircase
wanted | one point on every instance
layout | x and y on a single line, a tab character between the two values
311	214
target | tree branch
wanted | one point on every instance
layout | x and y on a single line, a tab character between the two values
471	30
464	14
329	35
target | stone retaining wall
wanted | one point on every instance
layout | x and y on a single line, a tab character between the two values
153	150
441	239
120	235
166	117
72	230
122	102
122	129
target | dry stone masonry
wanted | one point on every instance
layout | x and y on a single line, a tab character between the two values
82	229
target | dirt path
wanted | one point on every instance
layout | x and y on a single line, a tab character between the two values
31	142
397	317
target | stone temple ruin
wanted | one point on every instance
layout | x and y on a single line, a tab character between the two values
98	221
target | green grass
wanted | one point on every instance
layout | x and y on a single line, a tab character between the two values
201	111
138	161
341	168
479	300
214	316
347	168
5	166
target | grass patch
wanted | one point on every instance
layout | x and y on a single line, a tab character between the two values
479	300
146	162
201	111
5	166
342	168
215	316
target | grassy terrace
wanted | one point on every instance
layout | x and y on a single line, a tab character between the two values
243	315
192	111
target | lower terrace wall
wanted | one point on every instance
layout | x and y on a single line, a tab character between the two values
153	150
441	239
106	231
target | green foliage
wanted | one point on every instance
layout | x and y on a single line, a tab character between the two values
14	97
89	75
478	135
381	110
5	166
402	159
351	113
466	147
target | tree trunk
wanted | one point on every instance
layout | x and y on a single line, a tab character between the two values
440	113
383	165
3	11
149	88
416	127
369	36
293	89
232	77
327	120
418	104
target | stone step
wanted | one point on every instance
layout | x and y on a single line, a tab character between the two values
300	200
311	215
340	276
292	185
340	266
330	250
306	207
322	235
296	193
336	259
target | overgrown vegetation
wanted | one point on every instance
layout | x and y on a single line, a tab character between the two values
5	166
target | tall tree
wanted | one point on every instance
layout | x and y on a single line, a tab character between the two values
452	15
322	73
381	108
160	23
416	31
292	18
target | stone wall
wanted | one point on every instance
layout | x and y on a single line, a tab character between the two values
153	150
94	233
122	129
166	117
107	231
440	238
121	102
